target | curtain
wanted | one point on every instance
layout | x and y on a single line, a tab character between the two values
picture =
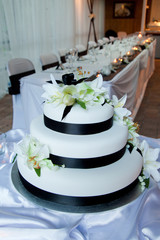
5	52
36	27
83	20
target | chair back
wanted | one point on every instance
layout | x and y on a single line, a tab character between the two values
49	61
18	68
81	50
122	34
62	53
100	43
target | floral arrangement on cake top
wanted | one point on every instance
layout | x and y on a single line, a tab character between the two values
71	91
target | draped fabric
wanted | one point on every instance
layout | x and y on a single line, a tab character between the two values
22	219
5	53
33	28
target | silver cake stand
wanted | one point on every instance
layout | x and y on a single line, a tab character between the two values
130	197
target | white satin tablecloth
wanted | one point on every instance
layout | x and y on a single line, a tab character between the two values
21	219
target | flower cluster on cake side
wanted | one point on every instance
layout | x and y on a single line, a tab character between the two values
70	92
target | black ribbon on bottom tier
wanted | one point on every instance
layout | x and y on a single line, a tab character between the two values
87	162
78	129
77	201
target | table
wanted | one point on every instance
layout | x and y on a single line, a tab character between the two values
131	80
21	219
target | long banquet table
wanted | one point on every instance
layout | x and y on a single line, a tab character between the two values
22	219
132	79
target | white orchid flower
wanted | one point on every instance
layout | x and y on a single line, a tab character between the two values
53	79
53	93
150	163
97	85
132	131
33	153
120	113
119	102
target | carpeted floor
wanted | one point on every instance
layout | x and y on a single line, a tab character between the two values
148	115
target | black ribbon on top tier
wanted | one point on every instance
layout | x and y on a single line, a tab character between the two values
77	201
84	163
78	129
68	79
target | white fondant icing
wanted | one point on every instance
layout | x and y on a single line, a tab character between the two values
92	114
80	146
86	182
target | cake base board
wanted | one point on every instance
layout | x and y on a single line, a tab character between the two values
130	197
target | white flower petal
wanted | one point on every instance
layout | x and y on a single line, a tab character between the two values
53	79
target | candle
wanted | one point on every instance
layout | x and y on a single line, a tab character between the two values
135	48
140	35
115	60
116	63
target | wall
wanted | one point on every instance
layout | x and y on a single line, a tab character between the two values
155	10
129	25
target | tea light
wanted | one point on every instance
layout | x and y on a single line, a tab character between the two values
135	48
120	59
116	63
140	35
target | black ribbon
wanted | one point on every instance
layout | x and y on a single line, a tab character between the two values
78	129
68	79
77	201
87	162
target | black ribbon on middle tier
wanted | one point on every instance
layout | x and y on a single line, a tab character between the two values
78	129
83	163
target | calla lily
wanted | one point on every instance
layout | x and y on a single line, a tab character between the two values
150	163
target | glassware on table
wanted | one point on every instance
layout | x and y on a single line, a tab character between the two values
11	137
71	57
2	143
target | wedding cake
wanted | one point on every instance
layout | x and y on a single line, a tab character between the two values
84	149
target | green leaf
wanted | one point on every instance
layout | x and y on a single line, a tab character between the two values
14	159
38	171
90	91
82	104
146	182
